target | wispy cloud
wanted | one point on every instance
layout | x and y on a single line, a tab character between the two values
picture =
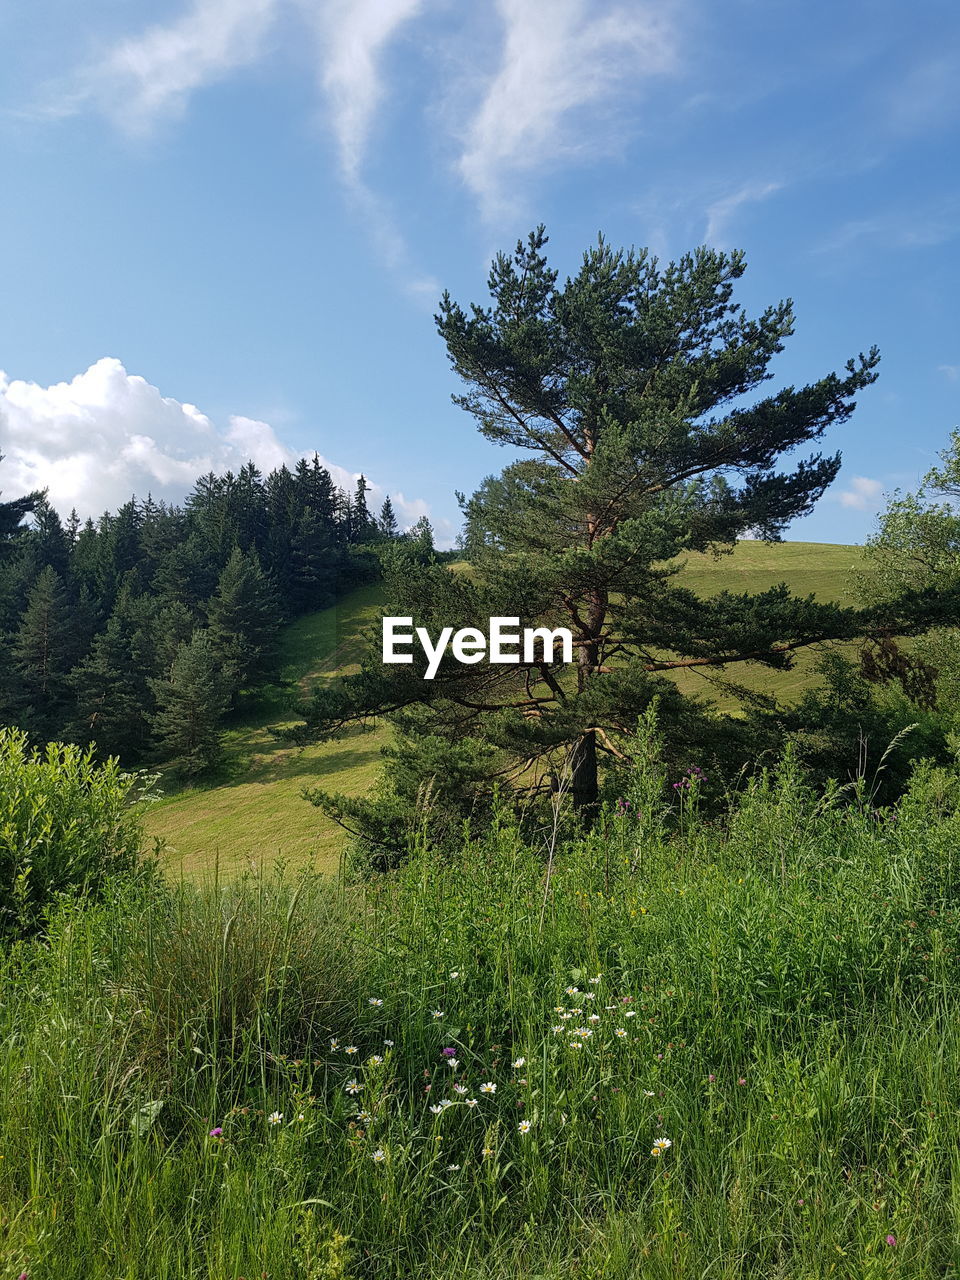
353	36
918	228
554	66
144	79
950	371
861	494
721	213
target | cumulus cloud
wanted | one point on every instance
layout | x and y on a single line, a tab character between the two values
107	434
553	67
861	493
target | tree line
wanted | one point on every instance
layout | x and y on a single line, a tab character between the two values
137	632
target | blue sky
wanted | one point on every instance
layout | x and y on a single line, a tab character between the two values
225	224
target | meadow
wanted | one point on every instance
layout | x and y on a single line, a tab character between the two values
673	1047
252	813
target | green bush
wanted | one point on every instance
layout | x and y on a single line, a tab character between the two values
67	824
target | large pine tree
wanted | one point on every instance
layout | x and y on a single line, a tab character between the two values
628	392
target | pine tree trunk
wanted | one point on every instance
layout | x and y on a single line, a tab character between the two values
583	764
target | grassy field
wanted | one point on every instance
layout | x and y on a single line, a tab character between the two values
256	814
687	1050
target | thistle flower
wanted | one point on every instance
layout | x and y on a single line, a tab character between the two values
217	1132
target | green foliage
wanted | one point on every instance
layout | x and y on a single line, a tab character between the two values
244	622
191	703
918	545
631	391
90	614
68	826
227	1081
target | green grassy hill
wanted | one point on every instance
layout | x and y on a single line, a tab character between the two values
256	813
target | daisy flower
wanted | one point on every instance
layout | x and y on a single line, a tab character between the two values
620	1032
353	1086
660	1145
374	1060
524	1126
471	1102
375	1002
351	1048
378	1156
438	1013
519	1063
274	1117
488	1087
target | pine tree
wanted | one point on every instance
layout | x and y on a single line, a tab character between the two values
191	703
243	619
626	390
314	564
388	521
47	644
112	685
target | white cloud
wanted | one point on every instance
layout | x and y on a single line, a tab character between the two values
353	37
950	371
721	211
108	434
144	78
555	64
861	494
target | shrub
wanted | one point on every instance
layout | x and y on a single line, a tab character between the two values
67	824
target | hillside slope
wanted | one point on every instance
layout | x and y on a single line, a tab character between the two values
257	814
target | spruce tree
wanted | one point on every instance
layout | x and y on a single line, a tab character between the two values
629	392
47	642
388	521
191	703
111	684
243	618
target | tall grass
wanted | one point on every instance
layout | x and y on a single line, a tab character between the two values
279	1079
